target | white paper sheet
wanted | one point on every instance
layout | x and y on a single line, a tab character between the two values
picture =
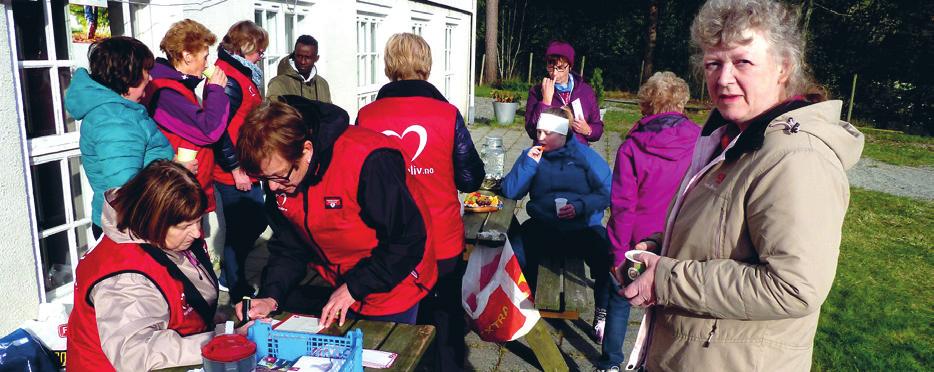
578	109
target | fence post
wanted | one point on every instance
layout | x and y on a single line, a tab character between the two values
849	111
482	65
583	63
529	79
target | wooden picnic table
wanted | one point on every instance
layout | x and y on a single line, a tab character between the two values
489	230
409	341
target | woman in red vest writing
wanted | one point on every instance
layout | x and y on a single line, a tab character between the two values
145	296
339	198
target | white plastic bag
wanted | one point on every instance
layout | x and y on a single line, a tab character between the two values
496	295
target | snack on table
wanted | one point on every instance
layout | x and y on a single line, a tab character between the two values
477	202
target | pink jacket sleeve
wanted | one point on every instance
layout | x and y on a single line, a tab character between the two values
623	199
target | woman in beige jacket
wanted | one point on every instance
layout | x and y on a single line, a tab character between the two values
750	246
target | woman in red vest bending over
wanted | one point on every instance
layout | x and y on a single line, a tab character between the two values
443	160
145	296
339	199
240	195
189	125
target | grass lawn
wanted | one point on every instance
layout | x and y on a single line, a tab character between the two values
880	312
898	148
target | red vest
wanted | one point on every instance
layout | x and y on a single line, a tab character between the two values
425	127
107	259
329	212
250	98
205	156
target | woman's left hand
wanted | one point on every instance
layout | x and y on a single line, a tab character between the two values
567	212
641	293
337	306
581	126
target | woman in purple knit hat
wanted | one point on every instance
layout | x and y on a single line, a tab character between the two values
560	88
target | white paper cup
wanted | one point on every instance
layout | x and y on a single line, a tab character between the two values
186	155
560	203
636	267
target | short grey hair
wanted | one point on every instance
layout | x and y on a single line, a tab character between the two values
725	22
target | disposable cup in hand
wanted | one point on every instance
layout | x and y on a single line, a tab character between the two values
560	203
186	155
209	71
635	266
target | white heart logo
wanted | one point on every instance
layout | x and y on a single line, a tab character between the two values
417	129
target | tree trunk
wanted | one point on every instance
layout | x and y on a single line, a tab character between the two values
651	34
491	72
808	6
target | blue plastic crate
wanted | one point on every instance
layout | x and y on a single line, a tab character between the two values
293	345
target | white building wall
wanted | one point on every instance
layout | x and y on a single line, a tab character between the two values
17	255
331	22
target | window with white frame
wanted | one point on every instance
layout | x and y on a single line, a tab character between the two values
448	61
60	196
419	26
281	21
369	60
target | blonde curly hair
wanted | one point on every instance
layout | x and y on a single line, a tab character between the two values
663	92
727	22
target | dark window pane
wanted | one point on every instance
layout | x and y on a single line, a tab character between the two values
116	18
47	188
30	30
258	17
62	34
64	80
56	261
78	195
37	102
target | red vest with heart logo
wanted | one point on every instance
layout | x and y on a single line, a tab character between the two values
205	156
250	98
329	213
425	128
107	259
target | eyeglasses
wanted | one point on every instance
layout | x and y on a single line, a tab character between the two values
282	180
262	53
552	67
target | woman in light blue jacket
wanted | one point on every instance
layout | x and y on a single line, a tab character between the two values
118	138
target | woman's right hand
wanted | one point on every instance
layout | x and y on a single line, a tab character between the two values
241	180
536	153
548	90
259	308
219	78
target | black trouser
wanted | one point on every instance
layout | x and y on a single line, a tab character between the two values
590	244
442	308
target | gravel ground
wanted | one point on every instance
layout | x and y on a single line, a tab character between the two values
869	174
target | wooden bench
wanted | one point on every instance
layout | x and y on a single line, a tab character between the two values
489	229
561	291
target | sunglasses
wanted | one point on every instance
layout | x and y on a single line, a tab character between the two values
552	67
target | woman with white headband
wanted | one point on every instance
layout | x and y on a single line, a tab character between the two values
568	185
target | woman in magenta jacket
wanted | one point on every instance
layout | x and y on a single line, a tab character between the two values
649	166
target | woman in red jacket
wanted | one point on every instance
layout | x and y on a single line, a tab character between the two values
240	195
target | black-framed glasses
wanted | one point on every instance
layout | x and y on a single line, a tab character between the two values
551	67
282	180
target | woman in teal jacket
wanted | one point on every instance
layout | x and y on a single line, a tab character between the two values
118	138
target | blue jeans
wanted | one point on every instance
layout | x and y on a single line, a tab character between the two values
617	319
245	219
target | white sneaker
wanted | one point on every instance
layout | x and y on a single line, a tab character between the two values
611	369
222	288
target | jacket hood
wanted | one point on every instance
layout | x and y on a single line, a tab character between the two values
163	69
109	222
84	95
822	120
326	122
670	136
410	88
224	55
